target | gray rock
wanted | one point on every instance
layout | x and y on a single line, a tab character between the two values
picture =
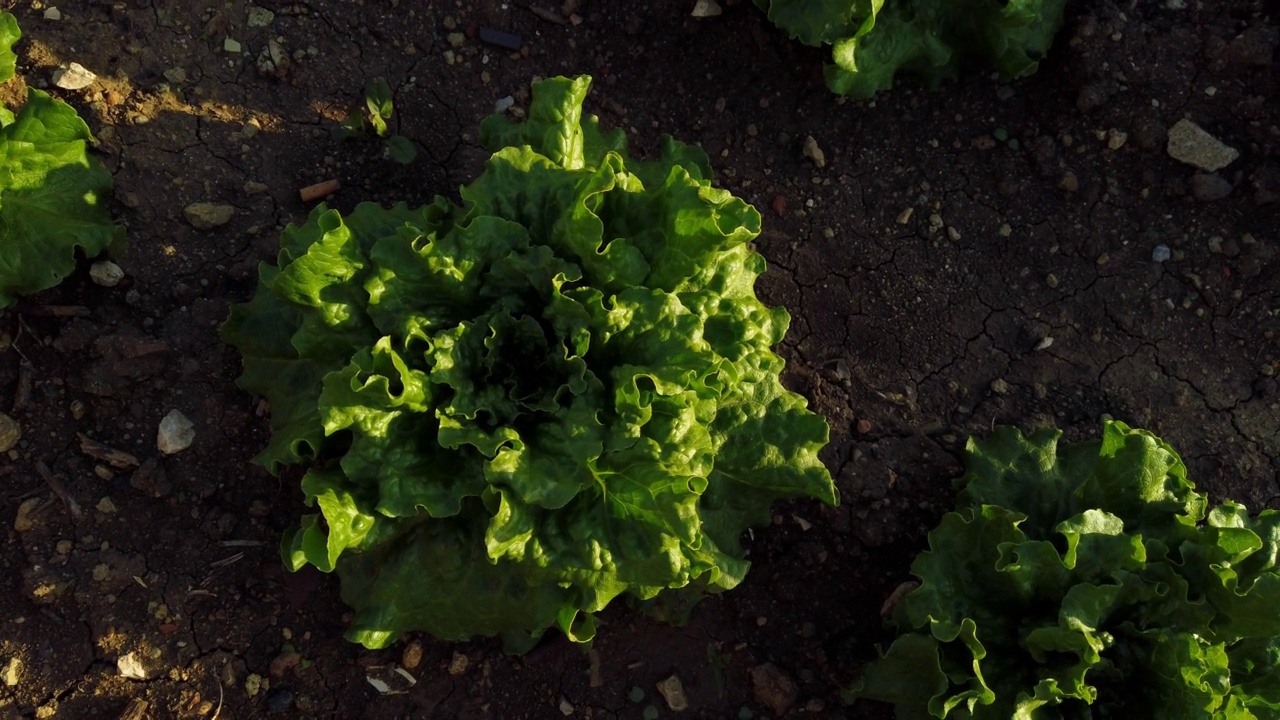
1209	187
204	215
106	273
1191	144
260	17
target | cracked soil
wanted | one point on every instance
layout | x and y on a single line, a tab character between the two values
975	255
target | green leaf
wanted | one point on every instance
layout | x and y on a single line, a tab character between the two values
9	35
521	408
401	149
52	197
377	98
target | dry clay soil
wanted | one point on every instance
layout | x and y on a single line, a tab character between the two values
974	255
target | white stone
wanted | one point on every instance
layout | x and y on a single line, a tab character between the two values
73	77
129	666
52	14
106	273
232	46
176	433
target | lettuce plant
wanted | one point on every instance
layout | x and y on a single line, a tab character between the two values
52	193
873	39
519	408
1087	580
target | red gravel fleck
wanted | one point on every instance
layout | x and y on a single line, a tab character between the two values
779	205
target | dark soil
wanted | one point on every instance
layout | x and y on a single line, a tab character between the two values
1030	221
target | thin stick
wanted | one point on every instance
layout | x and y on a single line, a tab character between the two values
319	190
59	489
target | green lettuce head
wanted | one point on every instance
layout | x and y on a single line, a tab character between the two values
517	409
1087	580
872	40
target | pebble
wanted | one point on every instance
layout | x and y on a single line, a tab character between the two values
813	152
273	61
904	217
106	273
1116	139
773	688
205	215
412	656
25	520
1161	253
73	77
1192	144
509	41
283	663
706	8
130	666
232	46
176	433
459	664
260	17
779	205
503	105
566	707
999	386
279	700
52	14
1208	187
175	75
13	672
1069	182
10	433
672	690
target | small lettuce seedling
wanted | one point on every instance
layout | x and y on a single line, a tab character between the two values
1087	580
520	408
52	192
378	109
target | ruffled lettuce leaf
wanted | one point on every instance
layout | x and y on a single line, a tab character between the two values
1087	580
52	193
519	408
872	40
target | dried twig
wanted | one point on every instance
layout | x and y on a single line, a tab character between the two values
319	190
22	394
550	16
227	560
96	450
59	489
135	710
